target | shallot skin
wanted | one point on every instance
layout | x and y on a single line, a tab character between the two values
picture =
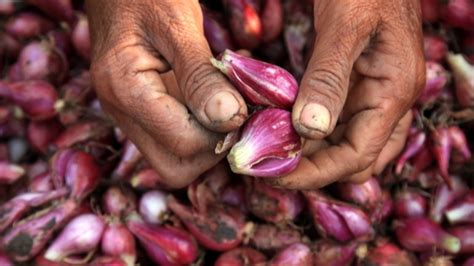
80	37
462	211
335	219
268	147
259	82
422	234
42	61
465	233
216	34
294	255
444	196
435	46
273	204
245	22
153	206
26	25
118	241
118	201
76	189
367	194
463	73
82	234
37	231
36	98
386	253
409	203
58	9
240	257
217	229
164	245
328	253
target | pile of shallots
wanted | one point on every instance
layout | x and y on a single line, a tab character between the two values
75	191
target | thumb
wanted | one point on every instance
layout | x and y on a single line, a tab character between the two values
206	92
324	86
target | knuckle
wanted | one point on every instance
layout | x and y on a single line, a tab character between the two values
364	160
195	80
359	164
114	76
365	155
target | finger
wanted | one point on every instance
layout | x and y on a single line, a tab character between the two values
177	172
354	154
395	144
389	152
172	87
311	146
364	137
339	42
127	79
369	119
365	134
208	94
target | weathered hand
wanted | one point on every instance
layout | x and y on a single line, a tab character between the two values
364	74
136	41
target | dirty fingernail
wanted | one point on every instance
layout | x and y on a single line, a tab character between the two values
315	117
222	107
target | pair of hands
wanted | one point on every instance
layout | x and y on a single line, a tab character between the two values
364	74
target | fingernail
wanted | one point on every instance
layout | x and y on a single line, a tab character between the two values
315	117
222	107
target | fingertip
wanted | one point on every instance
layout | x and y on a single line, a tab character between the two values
312	120
211	97
225	111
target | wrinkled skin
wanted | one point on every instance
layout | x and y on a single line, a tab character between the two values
136	41
365	72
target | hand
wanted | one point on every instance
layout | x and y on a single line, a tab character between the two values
136	41
365	72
